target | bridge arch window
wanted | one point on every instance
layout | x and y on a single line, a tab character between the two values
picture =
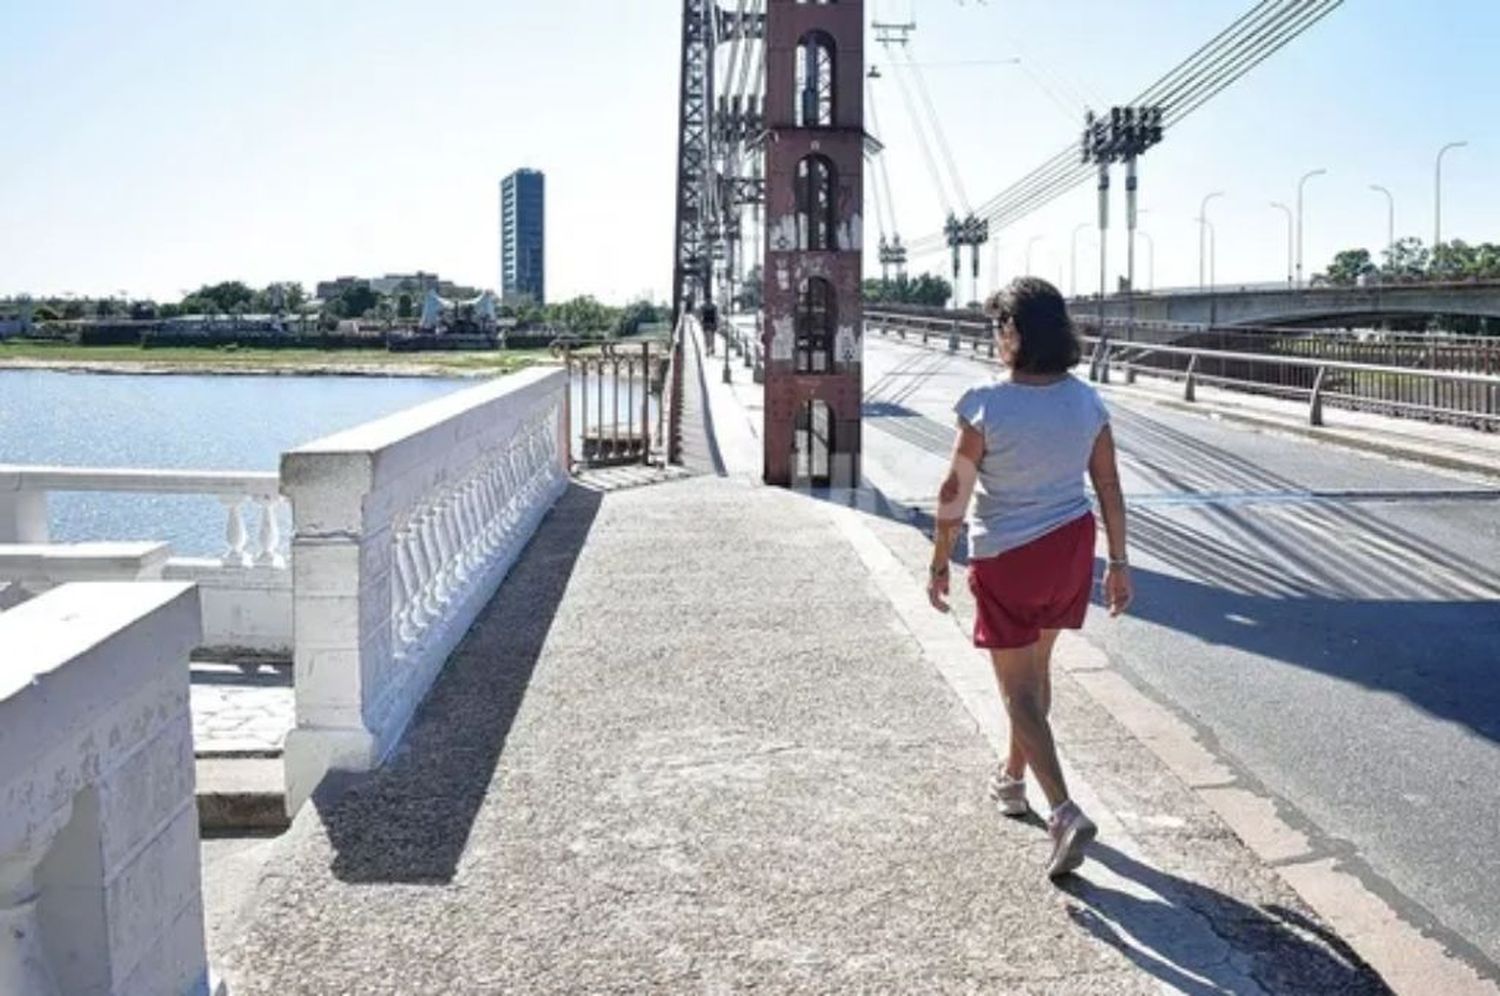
817	319
817	180
816	58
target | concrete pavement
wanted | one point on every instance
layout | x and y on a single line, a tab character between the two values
697	745
1321	620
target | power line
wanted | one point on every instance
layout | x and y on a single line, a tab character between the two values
1227	57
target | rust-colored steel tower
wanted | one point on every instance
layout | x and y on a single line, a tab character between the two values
814	329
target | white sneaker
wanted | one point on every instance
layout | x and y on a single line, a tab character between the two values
1008	794
1072	832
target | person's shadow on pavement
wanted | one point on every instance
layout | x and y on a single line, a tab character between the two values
1200	941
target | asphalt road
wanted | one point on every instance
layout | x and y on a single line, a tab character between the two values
1330	622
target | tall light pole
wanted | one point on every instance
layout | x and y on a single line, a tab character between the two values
1081	227
1029	244
1150	266
1289	226
1390	222
1437	206
1300	184
1203	237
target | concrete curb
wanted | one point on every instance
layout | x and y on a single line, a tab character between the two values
241	795
1408	960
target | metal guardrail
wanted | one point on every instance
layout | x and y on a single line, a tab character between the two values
608	412
1463	397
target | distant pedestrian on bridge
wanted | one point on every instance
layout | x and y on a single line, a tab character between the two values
1023	447
709	318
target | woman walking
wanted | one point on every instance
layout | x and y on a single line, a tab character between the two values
1023	447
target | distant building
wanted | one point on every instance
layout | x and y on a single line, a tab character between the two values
523	236
415	285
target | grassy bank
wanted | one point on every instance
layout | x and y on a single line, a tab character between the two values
188	359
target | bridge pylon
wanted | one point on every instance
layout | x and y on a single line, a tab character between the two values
813	325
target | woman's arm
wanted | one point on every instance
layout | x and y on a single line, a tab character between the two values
1104	471
953	505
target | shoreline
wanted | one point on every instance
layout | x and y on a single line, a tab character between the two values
252	369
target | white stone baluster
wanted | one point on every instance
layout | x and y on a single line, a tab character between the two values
404	609
269	554
432	560
236	537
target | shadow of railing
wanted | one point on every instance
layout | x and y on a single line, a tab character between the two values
410	821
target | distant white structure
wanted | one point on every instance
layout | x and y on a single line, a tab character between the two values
479	314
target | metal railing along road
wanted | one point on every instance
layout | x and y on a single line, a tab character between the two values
1436	382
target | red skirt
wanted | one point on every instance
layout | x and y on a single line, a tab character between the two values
1043	585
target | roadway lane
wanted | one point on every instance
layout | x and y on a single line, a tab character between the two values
1330	622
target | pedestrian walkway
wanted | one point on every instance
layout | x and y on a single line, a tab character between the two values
699	743
700	452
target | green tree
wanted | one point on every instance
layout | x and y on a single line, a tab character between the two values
403	305
1348	266
1408	259
358	300
637	314
224	297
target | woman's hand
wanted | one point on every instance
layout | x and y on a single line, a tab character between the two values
937	586
1118	591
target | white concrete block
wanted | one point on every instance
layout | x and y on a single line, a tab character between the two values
98	820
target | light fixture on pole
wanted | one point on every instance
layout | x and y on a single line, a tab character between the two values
1290	226
1030	243
1203	238
1151	264
1081	227
1437	205
1300	184
1390	223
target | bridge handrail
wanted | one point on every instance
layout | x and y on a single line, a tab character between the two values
1473	406
136	480
1312	363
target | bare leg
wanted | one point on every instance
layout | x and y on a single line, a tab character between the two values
1015	764
1021	673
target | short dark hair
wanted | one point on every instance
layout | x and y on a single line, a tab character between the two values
1049	344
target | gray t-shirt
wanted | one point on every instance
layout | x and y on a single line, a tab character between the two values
1037	443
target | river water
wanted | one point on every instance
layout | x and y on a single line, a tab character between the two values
178	422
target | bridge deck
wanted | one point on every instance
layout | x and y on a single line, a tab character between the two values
691	746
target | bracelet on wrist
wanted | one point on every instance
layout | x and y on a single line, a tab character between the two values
937	570
1119	562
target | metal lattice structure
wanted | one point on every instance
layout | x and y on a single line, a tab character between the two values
691	277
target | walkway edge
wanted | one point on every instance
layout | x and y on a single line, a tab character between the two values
1443	459
1408	960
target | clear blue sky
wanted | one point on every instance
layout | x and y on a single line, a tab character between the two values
153	146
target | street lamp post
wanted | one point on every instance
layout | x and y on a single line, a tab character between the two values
1390	223
1203	237
1290	224
1300	184
1081	227
1151	264
1437	204
1031	242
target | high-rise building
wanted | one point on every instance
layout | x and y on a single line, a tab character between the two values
523	236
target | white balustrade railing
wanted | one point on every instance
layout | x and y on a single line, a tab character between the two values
246	590
24	491
403	530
